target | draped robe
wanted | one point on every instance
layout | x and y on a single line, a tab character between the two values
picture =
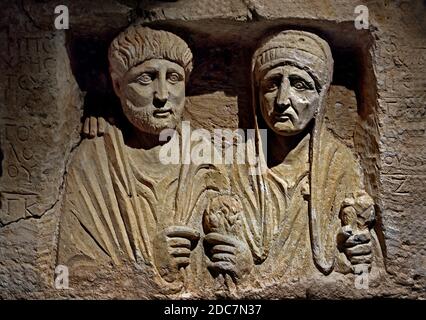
277	206
118	198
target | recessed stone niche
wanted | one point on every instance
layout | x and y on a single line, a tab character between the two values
53	81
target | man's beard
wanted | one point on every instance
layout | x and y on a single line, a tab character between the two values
146	122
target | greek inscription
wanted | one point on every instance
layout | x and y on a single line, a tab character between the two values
17	205
20	157
400	161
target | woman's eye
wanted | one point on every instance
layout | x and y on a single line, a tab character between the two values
174	77
270	86
144	78
299	85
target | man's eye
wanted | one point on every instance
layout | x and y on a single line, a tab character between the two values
174	77
144	78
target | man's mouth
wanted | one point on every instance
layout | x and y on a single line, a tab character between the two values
162	113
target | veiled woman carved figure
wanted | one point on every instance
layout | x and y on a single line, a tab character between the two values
307	209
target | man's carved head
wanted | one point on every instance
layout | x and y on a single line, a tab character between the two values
149	69
292	70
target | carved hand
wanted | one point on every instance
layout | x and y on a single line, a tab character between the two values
93	127
357	216
357	247
228	255
173	247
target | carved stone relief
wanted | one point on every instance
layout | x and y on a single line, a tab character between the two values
154	200
310	215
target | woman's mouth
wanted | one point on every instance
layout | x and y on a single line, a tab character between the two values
282	117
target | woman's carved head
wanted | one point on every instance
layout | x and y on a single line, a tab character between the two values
291	71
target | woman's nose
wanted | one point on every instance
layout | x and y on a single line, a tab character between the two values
283	100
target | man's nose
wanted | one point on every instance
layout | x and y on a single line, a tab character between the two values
283	98
161	93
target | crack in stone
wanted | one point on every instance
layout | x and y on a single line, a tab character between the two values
60	193
28	15
1	161
252	14
30	217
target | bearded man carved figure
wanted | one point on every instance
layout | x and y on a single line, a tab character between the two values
122	204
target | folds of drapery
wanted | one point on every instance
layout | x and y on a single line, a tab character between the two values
280	216
113	209
100	201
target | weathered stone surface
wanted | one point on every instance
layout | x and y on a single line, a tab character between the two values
40	114
375	108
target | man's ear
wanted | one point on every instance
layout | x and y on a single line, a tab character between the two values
116	84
